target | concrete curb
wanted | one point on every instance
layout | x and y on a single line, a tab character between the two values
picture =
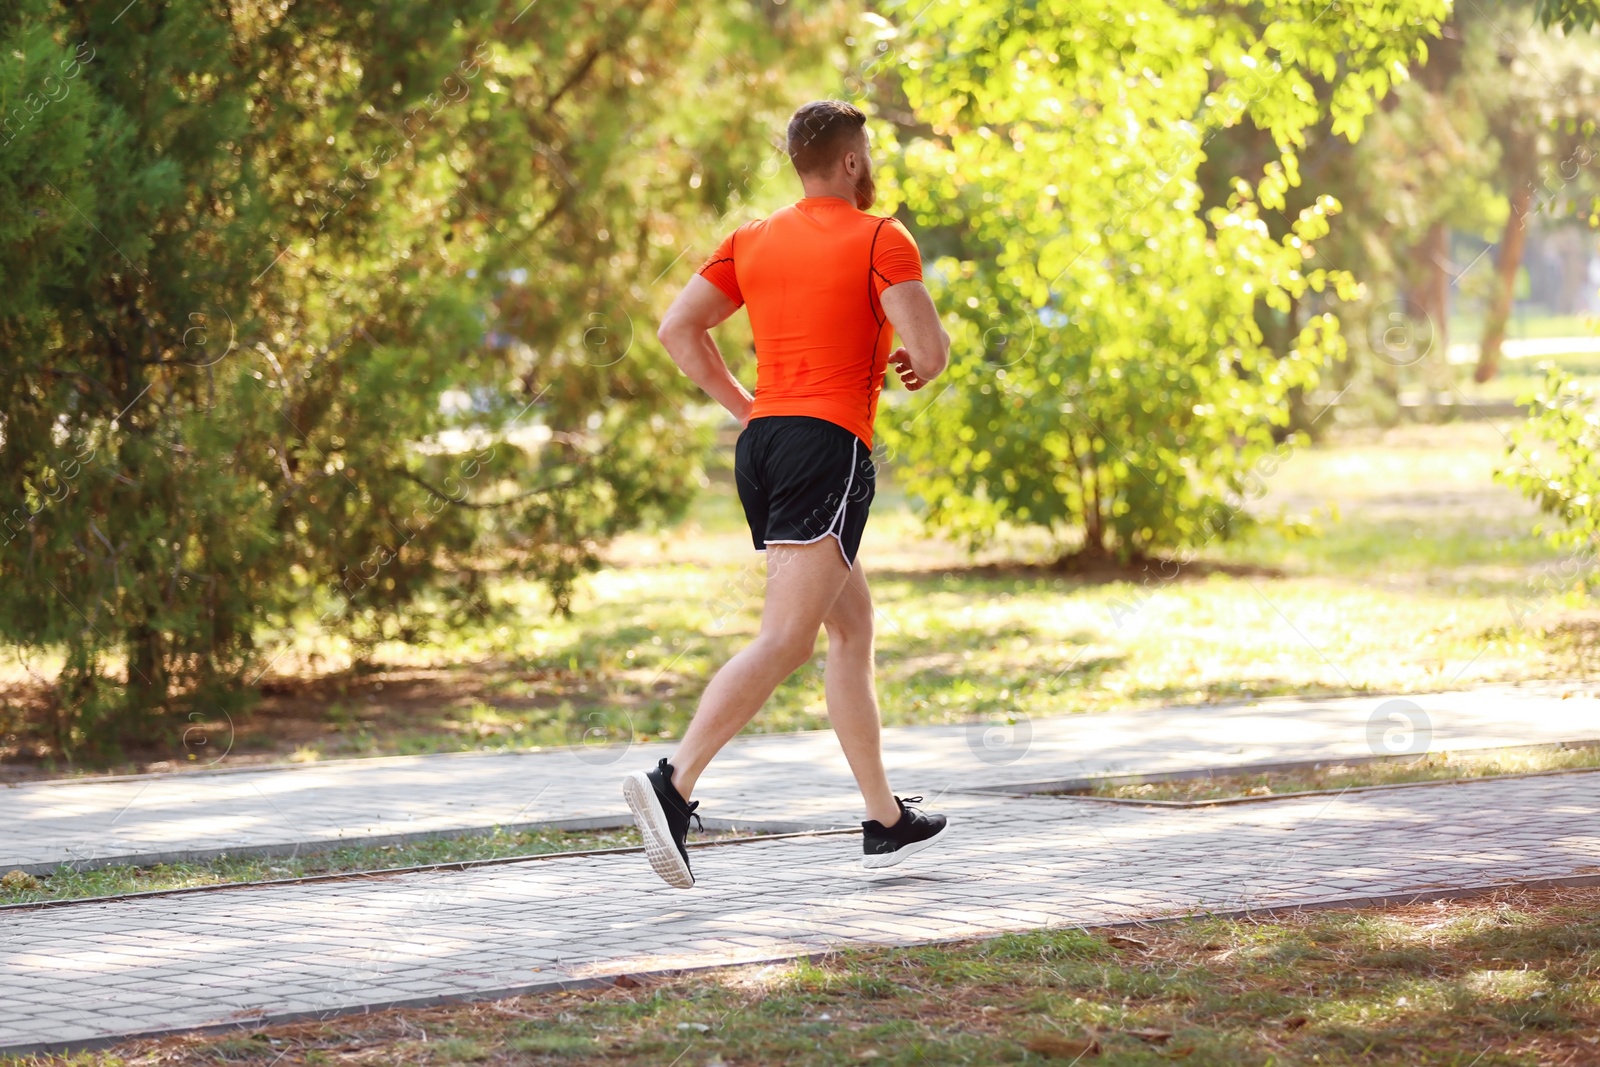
448	865
619	821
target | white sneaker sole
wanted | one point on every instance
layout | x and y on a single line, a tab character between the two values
889	859
651	819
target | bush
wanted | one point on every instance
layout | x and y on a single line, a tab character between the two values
1111	382
1555	462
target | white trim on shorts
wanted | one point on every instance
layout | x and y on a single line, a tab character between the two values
835	528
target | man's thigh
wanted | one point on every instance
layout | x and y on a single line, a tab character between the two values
803	582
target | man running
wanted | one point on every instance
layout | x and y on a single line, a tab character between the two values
827	286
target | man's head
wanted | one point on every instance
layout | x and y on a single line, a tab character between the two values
828	147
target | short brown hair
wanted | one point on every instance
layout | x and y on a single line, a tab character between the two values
818	132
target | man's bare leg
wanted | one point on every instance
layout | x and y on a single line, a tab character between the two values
803	582
852	694
891	832
808	586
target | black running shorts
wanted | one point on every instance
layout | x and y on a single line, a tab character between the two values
802	479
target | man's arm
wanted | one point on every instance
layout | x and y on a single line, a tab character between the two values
926	349
686	333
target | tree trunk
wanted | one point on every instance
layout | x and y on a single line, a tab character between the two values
1435	288
1094	525
147	683
1094	532
1506	265
1430	300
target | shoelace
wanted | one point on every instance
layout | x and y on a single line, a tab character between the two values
698	825
906	802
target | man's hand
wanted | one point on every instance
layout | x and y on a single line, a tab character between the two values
927	347
900	360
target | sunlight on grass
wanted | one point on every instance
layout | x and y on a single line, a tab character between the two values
1432	767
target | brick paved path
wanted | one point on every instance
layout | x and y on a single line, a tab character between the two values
87	972
194	815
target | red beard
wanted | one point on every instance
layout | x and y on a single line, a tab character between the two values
866	190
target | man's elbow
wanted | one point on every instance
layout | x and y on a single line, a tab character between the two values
672	333
936	360
667	332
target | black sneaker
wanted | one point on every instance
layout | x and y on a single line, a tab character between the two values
663	818
885	846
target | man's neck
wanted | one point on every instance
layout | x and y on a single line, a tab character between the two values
816	192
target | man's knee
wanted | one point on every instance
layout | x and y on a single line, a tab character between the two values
792	649
849	626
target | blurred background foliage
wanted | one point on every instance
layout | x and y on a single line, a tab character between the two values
1179	236
1134	337
317	305
328	316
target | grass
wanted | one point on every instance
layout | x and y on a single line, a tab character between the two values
1432	767
1470	327
1405	568
498	844
1508	980
1519	377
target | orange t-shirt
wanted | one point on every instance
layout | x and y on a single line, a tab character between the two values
810	275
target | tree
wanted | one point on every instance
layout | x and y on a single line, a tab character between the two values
1417	170
254	251
1540	105
1488	129
1113	384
